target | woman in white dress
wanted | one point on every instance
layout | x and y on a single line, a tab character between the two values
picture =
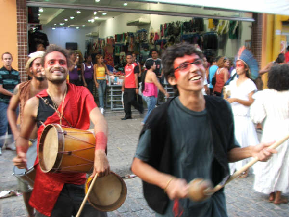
271	107
241	91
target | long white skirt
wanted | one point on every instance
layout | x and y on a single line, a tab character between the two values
246	135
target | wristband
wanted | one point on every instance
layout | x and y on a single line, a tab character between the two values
100	141
21	149
167	185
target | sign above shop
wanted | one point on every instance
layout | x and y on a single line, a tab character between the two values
260	6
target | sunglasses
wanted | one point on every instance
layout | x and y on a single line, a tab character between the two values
185	66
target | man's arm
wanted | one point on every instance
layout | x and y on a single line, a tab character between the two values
11	112
136	71
29	122
261	151
101	164
174	187
4	91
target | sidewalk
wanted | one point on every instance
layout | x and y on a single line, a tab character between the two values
122	142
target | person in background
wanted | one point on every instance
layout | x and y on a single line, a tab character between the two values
287	55
212	71
73	70
271	107
99	76
279	60
9	78
87	73
150	86
22	93
130	87
139	98
241	91
206	66
222	75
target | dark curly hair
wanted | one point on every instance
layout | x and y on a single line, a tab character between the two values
278	77
173	52
280	58
54	47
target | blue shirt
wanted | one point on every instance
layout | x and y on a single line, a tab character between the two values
8	80
212	72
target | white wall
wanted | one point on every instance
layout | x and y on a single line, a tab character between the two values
60	36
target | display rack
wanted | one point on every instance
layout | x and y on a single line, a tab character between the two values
113	97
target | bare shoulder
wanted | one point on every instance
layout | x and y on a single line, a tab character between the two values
16	89
31	106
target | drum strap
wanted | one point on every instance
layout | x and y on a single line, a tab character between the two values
55	109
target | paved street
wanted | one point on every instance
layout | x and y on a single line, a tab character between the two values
122	141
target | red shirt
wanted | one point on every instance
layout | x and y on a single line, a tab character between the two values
47	186
287	57
130	70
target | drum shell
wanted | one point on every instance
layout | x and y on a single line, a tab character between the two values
75	151
108	192
28	177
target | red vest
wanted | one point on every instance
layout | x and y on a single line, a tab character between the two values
129	75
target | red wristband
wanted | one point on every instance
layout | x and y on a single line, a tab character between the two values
100	141
21	149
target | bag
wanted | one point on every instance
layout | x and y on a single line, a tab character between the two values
139	88
230	79
214	80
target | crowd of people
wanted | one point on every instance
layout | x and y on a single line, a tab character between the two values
206	131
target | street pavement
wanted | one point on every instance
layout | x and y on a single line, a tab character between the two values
122	142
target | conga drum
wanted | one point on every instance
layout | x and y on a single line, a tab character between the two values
66	150
28	176
108	193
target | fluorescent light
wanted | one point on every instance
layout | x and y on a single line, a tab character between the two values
55	24
65	20
92	20
97	0
83	25
71	17
96	18
125	4
94	13
53	28
78	12
38	14
61	24
77	27
40	10
104	13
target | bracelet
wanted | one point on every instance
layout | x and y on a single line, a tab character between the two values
168	182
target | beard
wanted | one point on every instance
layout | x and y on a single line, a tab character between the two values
40	78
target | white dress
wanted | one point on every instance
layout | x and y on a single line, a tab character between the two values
272	107
245	132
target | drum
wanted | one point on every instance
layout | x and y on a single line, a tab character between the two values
108	193
66	150
29	175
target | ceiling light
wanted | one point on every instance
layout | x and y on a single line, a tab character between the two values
53	28
83	25
77	27
72	18
38	14
96	18
65	20
104	13
40	10
55	24
97	0
94	13
125	4
92	21
61	24
78	12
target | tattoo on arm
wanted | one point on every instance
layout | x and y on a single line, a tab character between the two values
15	91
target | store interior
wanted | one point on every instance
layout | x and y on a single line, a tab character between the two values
112	33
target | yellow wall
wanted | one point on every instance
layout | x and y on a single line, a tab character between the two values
272	29
8	33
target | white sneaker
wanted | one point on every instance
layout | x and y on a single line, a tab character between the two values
102	110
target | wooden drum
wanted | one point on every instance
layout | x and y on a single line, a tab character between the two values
66	150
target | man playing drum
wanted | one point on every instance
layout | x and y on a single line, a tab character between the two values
22	92
191	136
60	194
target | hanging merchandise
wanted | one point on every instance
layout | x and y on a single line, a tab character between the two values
198	24
156	37
162	30
108	54
223	27
211	24
210	41
177	28
233	29
36	37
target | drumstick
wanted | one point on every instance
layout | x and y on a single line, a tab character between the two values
245	167
86	196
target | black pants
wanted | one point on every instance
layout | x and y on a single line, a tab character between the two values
129	99
69	201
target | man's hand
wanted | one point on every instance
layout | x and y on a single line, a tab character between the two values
262	152
122	88
101	165
177	188
136	90
20	160
96	84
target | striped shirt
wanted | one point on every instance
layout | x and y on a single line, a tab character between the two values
8	80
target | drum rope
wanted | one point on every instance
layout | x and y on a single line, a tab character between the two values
72	137
79	165
68	152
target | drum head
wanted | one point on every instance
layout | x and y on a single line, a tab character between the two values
48	148
108	193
